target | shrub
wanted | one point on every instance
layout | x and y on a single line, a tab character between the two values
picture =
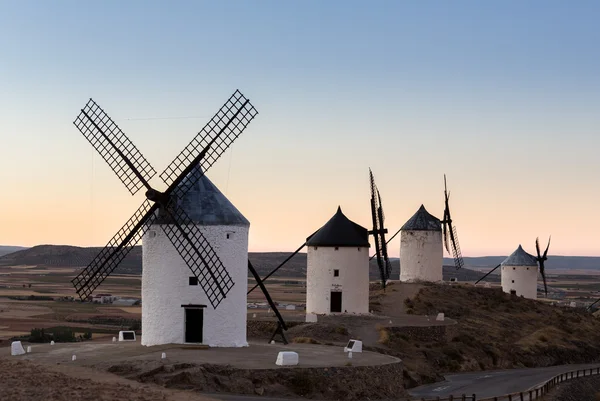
39	336
63	335
136	325
384	336
341	330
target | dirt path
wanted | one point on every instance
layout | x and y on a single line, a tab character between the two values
26	380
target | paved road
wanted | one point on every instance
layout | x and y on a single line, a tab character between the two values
493	383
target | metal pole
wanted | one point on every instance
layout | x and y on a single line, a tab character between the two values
277	268
487	274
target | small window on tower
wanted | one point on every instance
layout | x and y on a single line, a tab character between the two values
514	268
229	235
336	248
193	280
513	281
336	273
528	268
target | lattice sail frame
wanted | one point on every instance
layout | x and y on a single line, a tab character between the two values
114	146
230	120
456	254
205	149
107	260
386	259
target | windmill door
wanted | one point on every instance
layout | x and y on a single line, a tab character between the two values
336	302
194	320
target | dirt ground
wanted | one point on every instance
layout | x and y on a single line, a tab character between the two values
324	372
25	381
584	389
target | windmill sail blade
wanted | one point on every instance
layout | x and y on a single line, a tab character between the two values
382	230
212	141
445	236
115	251
113	145
547	247
458	259
537	247
375	215
198	254
543	273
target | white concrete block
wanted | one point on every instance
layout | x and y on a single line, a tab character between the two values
487	285
254	315
114	339
28	349
74	358
126	335
290	307
16	348
51	342
573	304
353	346
163	355
311	318
440	317
287	358
349	354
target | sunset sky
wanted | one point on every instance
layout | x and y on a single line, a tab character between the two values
502	96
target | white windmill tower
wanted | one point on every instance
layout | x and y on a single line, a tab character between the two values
421	253
337	276
174	311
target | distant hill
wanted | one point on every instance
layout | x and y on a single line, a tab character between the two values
554	262
5	249
264	262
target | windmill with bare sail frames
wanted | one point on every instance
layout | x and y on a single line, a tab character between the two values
164	208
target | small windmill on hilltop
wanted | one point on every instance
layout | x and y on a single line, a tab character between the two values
449	231
170	211
519	273
378	232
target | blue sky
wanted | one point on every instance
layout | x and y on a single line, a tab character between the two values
502	96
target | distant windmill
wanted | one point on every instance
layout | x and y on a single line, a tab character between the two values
449	231
164	208
378	232
517	264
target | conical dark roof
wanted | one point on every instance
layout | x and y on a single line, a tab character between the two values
340	231
422	221
206	205
520	258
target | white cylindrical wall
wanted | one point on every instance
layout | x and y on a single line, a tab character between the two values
165	288
521	279
421	256
353	279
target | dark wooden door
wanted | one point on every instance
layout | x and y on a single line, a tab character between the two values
194	320
336	302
